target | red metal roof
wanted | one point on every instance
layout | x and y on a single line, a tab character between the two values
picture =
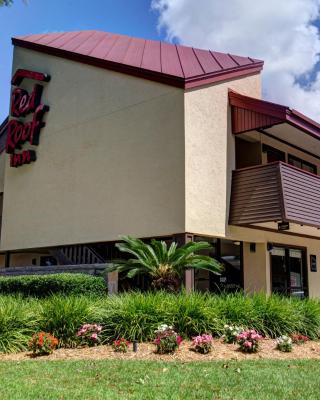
249	114
172	64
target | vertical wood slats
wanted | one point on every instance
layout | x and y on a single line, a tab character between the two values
244	120
274	192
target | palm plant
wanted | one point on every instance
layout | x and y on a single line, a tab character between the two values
165	265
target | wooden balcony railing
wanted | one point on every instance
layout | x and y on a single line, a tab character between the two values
274	192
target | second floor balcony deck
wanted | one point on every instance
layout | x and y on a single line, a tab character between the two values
265	195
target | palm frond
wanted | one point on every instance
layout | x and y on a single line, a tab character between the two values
157	260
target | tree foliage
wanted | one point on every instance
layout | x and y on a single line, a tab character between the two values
164	264
6	2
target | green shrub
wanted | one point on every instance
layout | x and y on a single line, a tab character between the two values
309	311
136	316
46	285
195	314
19	319
63	316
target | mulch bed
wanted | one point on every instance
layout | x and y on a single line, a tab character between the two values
221	351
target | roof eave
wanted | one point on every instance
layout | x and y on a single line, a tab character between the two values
303	123
283	114
180	82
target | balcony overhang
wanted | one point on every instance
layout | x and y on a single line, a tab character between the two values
250	114
265	195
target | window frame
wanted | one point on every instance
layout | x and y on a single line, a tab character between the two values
266	148
302	161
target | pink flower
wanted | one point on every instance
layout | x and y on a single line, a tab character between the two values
157	340
94	336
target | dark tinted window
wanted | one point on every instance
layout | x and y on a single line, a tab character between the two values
299	163
273	154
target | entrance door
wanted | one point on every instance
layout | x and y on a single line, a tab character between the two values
229	254
288	271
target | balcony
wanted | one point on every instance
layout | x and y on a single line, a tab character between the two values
265	195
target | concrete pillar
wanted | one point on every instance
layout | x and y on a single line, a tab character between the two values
113	282
256	268
189	280
189	273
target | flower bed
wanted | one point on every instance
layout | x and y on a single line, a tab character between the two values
136	316
146	351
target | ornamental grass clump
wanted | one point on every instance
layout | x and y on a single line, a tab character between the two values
62	315
19	319
202	343
299	339
43	343
167	340
120	345
284	343
249	341
89	334
230	333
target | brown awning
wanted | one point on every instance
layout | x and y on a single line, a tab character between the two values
274	192
250	114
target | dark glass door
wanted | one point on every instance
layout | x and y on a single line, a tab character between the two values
288	272
229	254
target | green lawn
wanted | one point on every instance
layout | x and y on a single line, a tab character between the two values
159	380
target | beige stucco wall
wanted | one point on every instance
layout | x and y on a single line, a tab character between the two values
110	159
2	168
259	266
210	153
256	269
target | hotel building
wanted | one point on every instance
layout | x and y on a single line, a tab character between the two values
110	135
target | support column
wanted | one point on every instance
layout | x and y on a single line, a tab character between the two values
189	273
7	260
256	268
113	282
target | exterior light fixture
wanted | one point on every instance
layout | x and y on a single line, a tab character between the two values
283	226
135	346
269	246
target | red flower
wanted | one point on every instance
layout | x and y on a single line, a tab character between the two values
179	340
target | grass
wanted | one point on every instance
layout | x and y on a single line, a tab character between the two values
144	380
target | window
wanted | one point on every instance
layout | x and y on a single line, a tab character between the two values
288	271
306	166
229	254
273	154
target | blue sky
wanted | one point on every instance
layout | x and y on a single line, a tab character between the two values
285	34
130	17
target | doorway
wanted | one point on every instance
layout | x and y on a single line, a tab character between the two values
229	254
289	271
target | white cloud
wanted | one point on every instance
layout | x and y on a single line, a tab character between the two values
280	32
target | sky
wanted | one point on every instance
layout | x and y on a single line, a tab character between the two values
283	33
129	17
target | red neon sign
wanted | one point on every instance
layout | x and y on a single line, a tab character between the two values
22	104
